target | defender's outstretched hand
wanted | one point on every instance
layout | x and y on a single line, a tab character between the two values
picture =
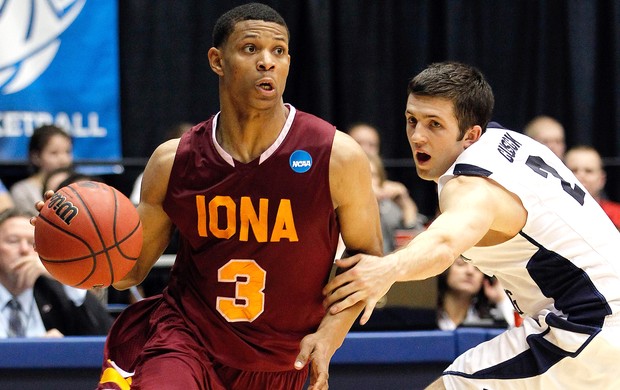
368	280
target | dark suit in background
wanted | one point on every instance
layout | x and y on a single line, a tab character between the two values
59	311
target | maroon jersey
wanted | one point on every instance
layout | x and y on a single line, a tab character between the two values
257	242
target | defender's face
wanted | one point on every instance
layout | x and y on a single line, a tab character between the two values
433	132
254	63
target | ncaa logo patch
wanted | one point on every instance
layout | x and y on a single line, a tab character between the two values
30	33
300	161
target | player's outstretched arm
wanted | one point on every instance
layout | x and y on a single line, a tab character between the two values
156	225
473	209
358	215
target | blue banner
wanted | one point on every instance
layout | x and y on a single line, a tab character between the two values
59	65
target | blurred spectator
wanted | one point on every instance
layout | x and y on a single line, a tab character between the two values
549	132
467	298
367	136
587	165
53	179
6	201
49	148
400	220
32	303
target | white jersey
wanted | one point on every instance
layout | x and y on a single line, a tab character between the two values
562	269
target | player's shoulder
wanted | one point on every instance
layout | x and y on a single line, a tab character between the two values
346	149
495	146
305	118
310	130
497	135
459	184
162	159
166	149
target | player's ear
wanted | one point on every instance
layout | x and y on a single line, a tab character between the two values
472	135
215	60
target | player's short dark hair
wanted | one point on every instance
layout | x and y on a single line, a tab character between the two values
225	24
462	84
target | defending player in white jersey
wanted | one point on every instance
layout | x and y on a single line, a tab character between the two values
512	208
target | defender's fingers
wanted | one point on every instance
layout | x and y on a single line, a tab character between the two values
370	306
348	262
346	303
336	283
337	295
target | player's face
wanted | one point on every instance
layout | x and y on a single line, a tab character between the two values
254	64
464	278
586	165
433	133
16	242
58	153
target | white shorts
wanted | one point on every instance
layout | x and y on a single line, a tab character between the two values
549	354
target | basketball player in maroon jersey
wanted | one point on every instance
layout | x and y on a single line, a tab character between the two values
259	193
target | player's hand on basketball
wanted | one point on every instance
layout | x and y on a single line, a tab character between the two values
90	236
368	280
39	205
314	351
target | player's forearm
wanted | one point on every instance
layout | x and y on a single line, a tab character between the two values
130	280
427	255
156	234
137	274
335	327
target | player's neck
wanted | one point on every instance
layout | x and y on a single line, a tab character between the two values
245	136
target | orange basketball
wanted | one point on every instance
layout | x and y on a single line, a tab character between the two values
88	235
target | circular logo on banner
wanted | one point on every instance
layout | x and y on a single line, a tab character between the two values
300	161
31	42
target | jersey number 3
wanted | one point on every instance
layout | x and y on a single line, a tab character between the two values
539	166
249	300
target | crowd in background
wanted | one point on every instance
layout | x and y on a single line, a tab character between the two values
466	297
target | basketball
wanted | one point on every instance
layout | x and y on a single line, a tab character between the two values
88	234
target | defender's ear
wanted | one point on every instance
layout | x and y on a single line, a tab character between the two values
472	135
